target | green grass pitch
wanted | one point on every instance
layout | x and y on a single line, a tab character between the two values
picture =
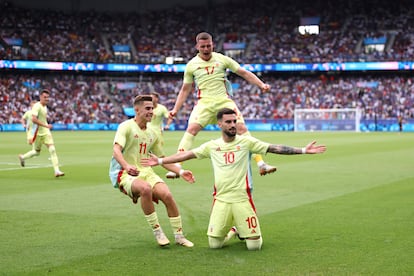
349	211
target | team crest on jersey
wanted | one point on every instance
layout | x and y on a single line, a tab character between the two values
218	149
238	147
136	136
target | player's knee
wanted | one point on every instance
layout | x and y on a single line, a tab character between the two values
36	152
254	244
194	129
141	188
215	243
162	192
52	149
167	197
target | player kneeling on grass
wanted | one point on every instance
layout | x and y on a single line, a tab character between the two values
230	157
133	141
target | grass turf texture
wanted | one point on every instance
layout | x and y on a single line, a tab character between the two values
346	212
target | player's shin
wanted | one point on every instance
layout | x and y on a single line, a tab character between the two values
53	157
215	243
176	225
30	154
152	220
254	244
186	142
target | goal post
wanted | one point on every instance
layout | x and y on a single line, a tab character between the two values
335	119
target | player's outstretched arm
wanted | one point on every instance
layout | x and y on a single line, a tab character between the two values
311	148
252	78
154	160
150	162
186	174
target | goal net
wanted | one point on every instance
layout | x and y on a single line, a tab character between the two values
337	119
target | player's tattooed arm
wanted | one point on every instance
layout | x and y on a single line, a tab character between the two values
282	149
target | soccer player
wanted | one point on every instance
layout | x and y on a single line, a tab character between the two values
230	157
133	141
400	122
27	123
207	71
160	113
42	134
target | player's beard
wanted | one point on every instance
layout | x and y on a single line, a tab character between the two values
231	132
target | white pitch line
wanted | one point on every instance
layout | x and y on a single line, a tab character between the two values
21	168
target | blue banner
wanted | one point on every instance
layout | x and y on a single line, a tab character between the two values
375	40
234	45
174	68
13	41
253	125
121	48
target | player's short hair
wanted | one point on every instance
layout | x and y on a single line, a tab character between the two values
45	91
203	36
142	98
156	94
225	111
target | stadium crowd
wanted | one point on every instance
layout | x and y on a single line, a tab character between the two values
80	99
269	33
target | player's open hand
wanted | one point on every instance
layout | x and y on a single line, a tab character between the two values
151	161
188	176
312	148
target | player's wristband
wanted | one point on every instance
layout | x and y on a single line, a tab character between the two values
304	150
181	172
159	161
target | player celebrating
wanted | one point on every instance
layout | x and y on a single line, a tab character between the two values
133	141
207	70
160	113
230	157
42	133
27	123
